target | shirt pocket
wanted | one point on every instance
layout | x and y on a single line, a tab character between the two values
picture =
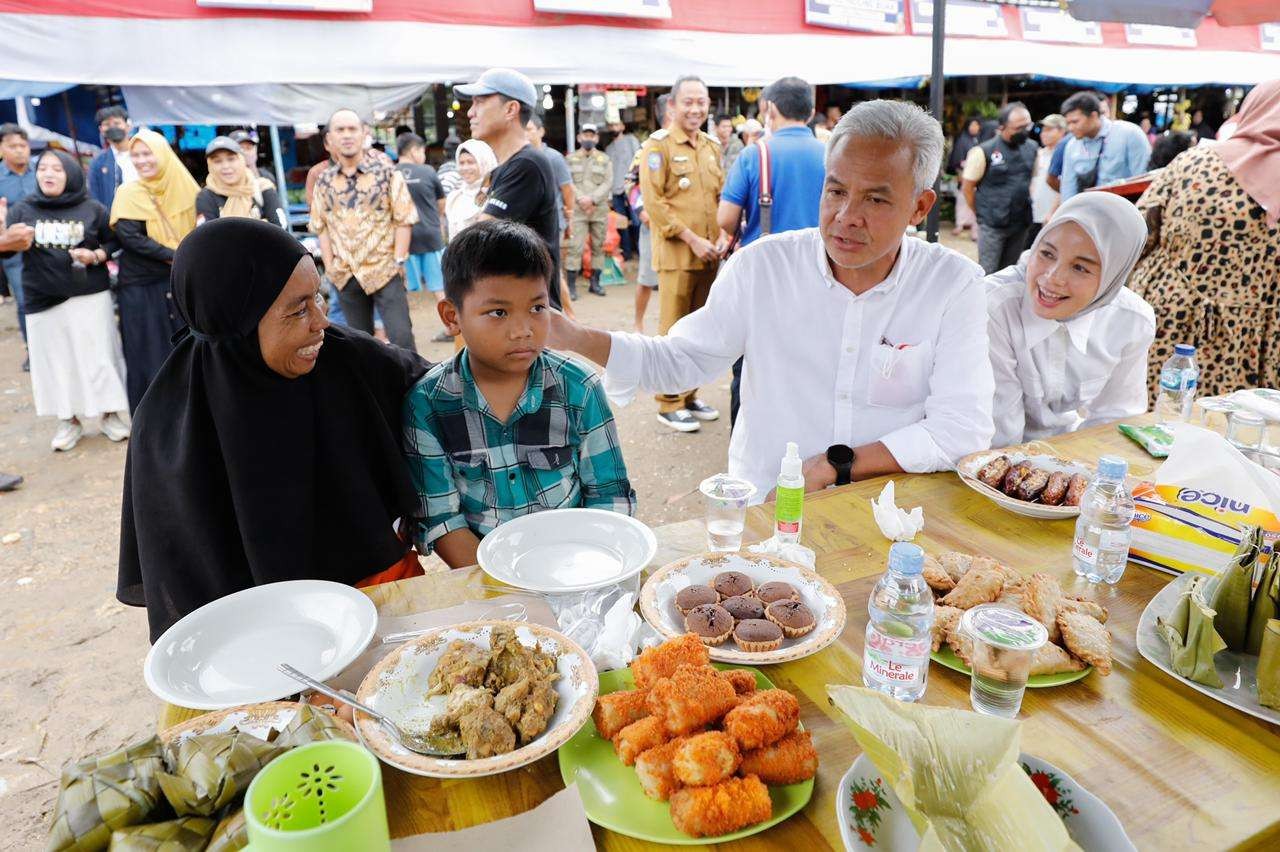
899	377
552	475
471	478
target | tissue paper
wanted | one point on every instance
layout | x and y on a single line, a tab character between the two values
896	524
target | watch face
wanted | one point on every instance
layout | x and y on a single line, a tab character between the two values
839	454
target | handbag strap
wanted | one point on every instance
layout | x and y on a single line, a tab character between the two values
766	194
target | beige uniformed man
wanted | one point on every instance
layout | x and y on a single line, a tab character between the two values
680	179
592	173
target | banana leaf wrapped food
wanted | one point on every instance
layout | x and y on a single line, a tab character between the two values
101	794
1269	666
311	725
1232	595
1265	606
1191	636
185	834
210	770
231	834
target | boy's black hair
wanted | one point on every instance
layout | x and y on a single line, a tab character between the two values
409	141
490	248
110	112
1086	102
792	97
10	128
723	116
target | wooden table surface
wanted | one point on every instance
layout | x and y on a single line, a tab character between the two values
1180	770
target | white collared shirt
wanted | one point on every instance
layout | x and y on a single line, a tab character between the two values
1054	377
904	363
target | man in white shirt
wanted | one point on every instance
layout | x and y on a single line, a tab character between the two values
866	347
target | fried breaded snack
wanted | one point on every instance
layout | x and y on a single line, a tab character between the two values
763	719
1011	596
1087	607
936	576
639	737
961	644
1040	597
790	760
943	618
617	710
662	661
979	585
1087	639
955	564
743	681
1051	659
728	806
707	759
692	697
656	772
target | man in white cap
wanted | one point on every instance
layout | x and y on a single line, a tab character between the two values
523	187
592	173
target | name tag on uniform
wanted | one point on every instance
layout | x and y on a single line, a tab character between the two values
680	159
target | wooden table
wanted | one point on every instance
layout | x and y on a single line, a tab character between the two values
1179	769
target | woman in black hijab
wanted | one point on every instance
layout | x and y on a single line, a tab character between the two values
267	446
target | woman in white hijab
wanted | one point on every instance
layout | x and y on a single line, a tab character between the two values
475	161
1068	339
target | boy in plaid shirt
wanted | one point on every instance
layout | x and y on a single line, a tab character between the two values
505	428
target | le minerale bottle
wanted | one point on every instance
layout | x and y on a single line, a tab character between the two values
896	658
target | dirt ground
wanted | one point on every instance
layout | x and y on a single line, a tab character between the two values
71	656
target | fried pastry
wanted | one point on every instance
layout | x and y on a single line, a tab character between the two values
706	759
955	564
943	618
743	681
728	806
1041	595
639	737
992	473
936	576
977	586
1051	659
692	697
961	644
618	709
661	661
656	772
1086	638
763	718
1056	490
790	760
1087	607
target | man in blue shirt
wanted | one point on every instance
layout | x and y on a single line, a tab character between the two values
17	181
797	169
1101	151
112	167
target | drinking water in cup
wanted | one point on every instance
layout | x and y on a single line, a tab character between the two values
1004	642
727	498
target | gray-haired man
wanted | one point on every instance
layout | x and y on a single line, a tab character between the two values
866	347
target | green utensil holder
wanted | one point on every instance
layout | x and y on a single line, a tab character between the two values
322	797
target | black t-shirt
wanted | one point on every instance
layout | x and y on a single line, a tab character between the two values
524	189
48	276
209	204
427	192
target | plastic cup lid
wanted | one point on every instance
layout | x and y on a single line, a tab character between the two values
1004	628
722	486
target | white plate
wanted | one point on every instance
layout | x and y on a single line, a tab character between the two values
567	550
968	468
657	602
397	687
225	653
1088	820
1239	672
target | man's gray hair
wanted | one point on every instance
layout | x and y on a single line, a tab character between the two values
901	122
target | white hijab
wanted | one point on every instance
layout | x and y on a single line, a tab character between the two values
461	208
1117	230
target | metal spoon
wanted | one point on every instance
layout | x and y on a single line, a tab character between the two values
420	743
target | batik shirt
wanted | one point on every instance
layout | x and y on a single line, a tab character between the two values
360	214
558	449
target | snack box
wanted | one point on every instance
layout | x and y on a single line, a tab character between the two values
1177	529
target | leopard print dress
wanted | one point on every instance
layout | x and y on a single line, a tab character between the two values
1212	276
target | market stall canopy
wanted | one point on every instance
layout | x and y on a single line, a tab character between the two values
726	42
264	103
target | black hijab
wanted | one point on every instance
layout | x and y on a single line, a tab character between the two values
75	192
237	476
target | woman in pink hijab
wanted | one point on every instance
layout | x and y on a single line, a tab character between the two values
1211	266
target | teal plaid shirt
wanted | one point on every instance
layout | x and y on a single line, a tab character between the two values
559	449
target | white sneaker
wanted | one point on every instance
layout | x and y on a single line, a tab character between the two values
114	427
67	436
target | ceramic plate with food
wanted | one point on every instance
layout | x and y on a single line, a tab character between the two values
507	693
748	608
1027	480
626	798
256	719
872	818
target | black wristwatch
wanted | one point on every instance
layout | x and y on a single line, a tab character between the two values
841	456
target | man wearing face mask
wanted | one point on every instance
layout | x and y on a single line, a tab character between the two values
112	167
997	185
592	173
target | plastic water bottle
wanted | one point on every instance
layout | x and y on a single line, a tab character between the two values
896	658
1178	380
1101	547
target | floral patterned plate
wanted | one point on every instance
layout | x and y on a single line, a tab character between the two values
871	817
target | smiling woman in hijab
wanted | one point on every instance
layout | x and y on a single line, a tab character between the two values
231	189
77	368
475	161
268	445
1068	339
151	215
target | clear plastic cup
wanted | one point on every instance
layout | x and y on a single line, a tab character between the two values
727	498
1246	429
1004	642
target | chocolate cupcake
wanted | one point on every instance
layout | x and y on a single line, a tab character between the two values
773	592
743	607
793	617
731	583
711	622
755	635
688	598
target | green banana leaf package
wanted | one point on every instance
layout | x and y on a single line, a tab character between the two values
1269	666
1231	598
176	835
1192	639
210	770
309	726
1265	606
102	794
231	834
